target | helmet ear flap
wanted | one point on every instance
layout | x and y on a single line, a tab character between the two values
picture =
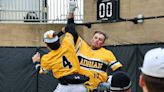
54	34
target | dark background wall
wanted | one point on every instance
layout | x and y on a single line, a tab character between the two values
131	56
17	73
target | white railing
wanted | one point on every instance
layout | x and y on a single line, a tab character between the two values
40	11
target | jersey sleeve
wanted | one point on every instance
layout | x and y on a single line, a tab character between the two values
44	65
78	44
68	40
113	63
71	29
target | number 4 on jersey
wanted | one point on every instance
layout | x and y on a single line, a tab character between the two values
66	63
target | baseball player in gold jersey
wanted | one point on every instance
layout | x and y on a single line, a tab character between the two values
62	60
94	59
63	63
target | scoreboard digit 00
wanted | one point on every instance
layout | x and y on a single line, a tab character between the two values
107	10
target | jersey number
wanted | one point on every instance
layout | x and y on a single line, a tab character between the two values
66	63
96	75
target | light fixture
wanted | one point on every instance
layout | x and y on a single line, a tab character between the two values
139	19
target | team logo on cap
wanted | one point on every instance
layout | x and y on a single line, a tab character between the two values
50	36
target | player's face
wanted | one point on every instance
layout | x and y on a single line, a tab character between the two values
97	41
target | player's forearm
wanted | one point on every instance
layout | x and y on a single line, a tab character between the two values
71	29
70	21
60	33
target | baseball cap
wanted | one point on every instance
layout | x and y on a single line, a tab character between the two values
153	64
50	36
120	81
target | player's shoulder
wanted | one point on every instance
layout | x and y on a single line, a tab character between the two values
68	35
68	40
106	50
48	55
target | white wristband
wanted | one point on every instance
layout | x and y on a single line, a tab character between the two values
109	79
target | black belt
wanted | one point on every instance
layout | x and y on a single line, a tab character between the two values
73	79
63	81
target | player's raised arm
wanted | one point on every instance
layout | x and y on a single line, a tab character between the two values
70	22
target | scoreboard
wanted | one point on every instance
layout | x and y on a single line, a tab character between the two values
107	10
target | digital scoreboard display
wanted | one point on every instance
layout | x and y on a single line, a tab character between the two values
107	10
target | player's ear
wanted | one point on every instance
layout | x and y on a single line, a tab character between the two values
141	81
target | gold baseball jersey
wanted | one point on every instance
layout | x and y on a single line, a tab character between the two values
94	63
62	61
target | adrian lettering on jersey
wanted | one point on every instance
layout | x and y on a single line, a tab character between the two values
94	64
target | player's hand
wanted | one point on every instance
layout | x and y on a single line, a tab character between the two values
63	29
36	57
103	87
72	5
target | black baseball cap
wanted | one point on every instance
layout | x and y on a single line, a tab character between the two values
120	81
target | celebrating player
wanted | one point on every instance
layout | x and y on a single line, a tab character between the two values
94	59
62	60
